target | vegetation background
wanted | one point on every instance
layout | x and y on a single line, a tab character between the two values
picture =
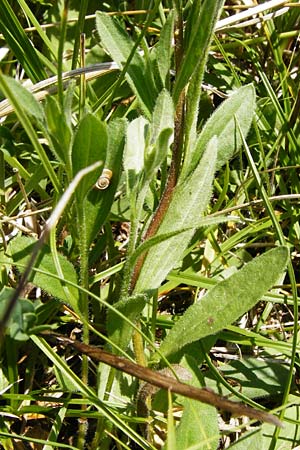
149	206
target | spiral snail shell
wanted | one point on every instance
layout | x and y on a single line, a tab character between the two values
104	180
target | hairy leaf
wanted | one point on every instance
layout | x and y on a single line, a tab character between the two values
188	204
20	249
118	44
227	301
239	107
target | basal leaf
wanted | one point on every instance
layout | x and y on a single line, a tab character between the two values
198	427
259	378
227	301
251	440
26	99
20	249
289	437
187	205
23	316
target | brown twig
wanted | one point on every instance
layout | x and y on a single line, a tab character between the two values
166	382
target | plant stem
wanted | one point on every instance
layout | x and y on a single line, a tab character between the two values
176	159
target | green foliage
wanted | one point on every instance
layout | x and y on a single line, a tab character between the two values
200	120
98	203
89	146
19	43
199	423
23	317
188	203
197	37
118	44
239	108
227	301
20	249
26	100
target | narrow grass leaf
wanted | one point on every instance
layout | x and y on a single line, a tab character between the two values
171	438
227	301
19	43
88	393
187	205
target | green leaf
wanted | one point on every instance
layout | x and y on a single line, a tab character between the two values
163	115
250	441
200	26
259	378
187	205
289	436
158	238
239	107
98	203
23	316
199	422
26	99
227	301
119	331
20	250
161	131
89	146
164	49
134	153
59	130
118	44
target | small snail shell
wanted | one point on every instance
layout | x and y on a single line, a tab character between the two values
104	180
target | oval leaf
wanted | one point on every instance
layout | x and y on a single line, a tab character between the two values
20	249
227	301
